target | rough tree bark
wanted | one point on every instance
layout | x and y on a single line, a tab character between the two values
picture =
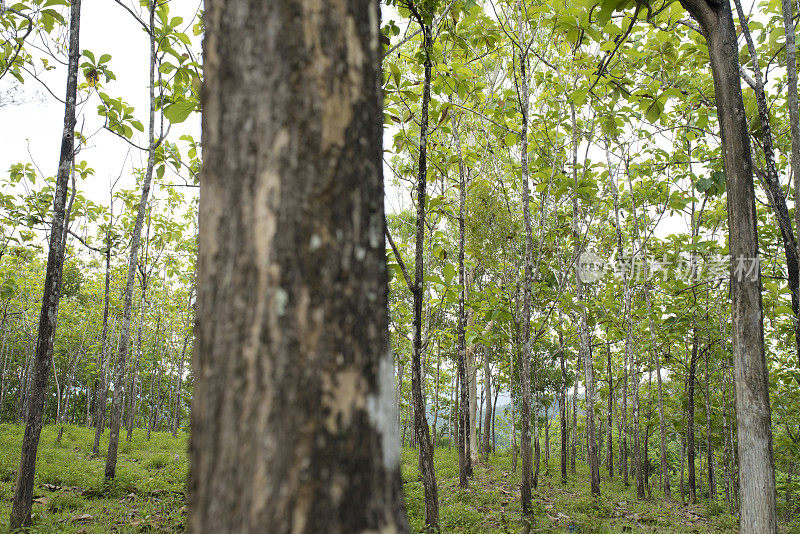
525	369
293	420
23	494
751	384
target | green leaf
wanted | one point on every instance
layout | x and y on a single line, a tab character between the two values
179	111
654	111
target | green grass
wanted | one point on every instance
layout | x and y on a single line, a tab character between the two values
148	493
491	503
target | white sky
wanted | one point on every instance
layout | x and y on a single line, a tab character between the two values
36	124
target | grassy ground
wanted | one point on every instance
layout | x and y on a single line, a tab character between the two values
148	493
491	503
70	495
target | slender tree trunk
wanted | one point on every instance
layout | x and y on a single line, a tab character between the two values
102	389
4	350
179	384
637	449
573	452
610	413
583	329
525	374
480	418
472	381
728	447
434	432
487	388
624	431
647	434
789	481
537	453
417	377
464	461
451	423
514	451
794	113
662	426
771	180
133	261
23	494
65	410
628	356
562	406
494	418
547	439
683	465
132	390
690	448
712	481
300	331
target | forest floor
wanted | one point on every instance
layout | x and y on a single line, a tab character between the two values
491	503
148	492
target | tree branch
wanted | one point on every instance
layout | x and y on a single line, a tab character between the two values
399	260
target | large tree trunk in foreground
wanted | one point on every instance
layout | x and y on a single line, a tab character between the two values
756	464
23	494
293	422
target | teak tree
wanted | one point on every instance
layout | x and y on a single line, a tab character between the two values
293	419
23	494
756	464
